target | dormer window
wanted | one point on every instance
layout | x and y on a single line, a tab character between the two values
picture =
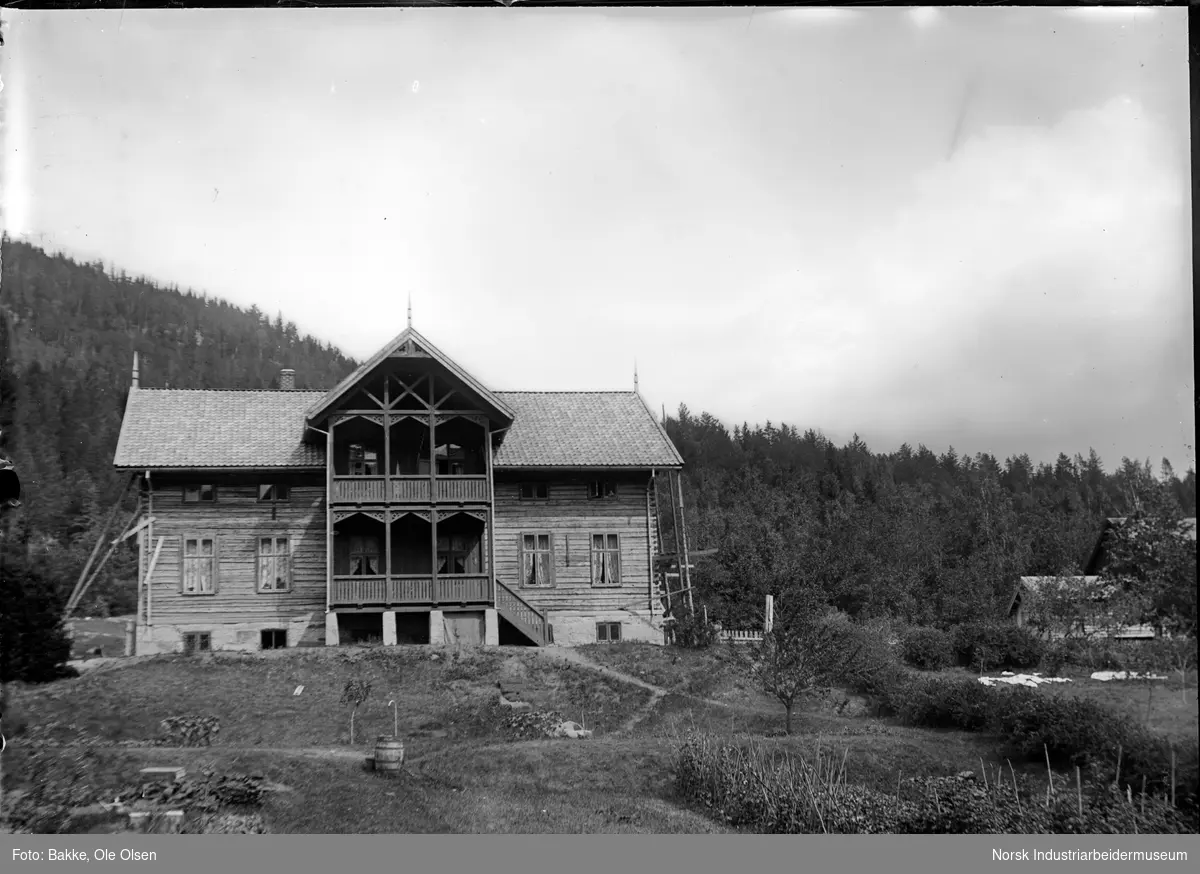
363	461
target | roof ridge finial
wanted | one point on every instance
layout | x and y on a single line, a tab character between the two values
635	378
136	375
410	310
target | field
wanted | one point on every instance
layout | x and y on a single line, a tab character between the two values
469	767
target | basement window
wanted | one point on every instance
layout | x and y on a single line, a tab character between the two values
202	494
608	632
197	641
534	491
274	638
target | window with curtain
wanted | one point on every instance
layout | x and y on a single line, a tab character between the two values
273	564
536	561
606	560
199	566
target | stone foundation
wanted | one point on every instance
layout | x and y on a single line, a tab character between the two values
162	637
576	628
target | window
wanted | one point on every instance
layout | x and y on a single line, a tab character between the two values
199	566
606	560
274	638
274	565
364	556
272	492
534	491
450	460
608	632
457	554
601	488
537	561
197	641
363	461
203	494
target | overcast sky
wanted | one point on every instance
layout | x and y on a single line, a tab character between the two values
962	226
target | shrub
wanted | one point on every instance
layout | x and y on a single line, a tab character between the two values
927	648
692	632
947	702
988	645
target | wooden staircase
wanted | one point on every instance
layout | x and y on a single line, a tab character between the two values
523	616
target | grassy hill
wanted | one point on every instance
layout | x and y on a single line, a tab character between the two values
473	766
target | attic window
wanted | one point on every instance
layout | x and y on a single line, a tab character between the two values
601	488
203	494
272	492
534	491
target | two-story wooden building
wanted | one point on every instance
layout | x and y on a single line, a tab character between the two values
408	504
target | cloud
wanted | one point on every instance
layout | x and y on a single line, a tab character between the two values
925	16
1038	274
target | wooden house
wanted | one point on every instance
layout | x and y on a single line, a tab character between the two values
410	503
1089	591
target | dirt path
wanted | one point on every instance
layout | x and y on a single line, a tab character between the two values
568	654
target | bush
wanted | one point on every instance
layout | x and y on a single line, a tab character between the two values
692	632
34	646
989	646
927	648
947	702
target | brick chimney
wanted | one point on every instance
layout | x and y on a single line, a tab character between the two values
287	379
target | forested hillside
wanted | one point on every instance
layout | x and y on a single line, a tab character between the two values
916	534
69	334
911	534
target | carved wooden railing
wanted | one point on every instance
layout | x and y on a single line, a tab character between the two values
410	589
462	489
523	615
359	489
410	489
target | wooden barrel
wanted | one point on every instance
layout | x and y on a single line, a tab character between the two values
389	755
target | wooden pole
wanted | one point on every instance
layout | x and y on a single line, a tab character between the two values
80	591
100	539
329	467
649	550
150	575
686	566
149	540
491	516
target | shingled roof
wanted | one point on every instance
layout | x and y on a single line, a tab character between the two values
186	428
194	429
583	429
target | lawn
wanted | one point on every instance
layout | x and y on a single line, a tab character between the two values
466	771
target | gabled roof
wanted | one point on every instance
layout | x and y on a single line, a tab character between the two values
1034	585
194	429
347	385
584	429
184	428
1095	559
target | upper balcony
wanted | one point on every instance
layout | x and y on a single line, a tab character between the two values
371	467
410	490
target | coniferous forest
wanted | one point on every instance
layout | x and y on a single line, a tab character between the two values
918	534
67	342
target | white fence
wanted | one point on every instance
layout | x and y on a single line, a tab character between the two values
738	636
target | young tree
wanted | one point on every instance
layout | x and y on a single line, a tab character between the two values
354	693
810	648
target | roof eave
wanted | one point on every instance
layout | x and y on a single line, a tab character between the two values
501	409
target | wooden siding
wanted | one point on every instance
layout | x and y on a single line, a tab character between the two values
237	520
571	518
